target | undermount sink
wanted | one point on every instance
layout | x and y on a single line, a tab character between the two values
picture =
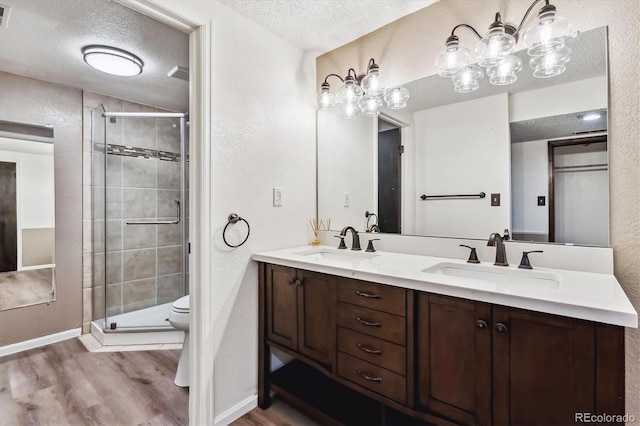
336	255
498	275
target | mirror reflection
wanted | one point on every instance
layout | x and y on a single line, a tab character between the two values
536	149
27	215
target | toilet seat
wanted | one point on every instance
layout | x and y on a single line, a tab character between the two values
181	305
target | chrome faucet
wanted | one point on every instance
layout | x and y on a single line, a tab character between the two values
355	244
497	240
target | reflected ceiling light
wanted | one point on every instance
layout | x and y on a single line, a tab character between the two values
590	116
545	40
467	79
112	60
361	94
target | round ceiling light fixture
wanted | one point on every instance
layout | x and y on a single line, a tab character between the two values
112	60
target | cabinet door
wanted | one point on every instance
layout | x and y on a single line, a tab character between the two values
282	308
454	358
544	368
316	316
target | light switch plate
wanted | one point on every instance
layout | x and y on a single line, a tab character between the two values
495	200
277	197
541	200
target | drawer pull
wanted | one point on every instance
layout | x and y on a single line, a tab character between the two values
367	350
367	323
371	379
368	295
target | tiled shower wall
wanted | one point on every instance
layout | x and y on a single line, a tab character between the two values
143	261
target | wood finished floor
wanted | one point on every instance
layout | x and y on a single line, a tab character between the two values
63	384
278	414
25	288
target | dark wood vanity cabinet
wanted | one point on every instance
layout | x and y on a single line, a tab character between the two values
300	311
411	357
479	363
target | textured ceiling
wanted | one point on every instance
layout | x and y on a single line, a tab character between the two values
44	38
557	126
324	25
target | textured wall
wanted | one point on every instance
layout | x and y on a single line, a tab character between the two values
407	49
33	101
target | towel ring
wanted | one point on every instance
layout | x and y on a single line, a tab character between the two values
232	220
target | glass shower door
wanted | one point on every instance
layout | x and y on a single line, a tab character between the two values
144	212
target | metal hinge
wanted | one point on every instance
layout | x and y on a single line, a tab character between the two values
401	149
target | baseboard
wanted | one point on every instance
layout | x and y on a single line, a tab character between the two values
237	411
40	341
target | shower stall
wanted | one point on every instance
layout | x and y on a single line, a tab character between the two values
139	232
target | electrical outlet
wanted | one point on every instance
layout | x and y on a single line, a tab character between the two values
277	197
346	199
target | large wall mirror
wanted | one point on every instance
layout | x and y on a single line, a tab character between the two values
536	149
27	215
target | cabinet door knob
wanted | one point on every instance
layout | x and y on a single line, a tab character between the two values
370	378
367	323
481	324
367	350
296	282
501	328
368	295
291	281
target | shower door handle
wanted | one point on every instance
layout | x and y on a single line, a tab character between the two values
160	222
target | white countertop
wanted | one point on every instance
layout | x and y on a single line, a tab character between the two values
584	295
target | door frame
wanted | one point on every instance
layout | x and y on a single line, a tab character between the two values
201	321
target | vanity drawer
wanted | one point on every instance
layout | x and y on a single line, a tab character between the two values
374	323
373	377
376	351
375	296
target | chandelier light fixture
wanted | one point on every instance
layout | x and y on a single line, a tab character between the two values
362	94
112	60
545	40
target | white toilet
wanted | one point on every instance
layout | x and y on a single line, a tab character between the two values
179	318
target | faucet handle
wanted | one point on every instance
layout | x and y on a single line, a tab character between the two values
342	245
370	247
473	256
524	263
506	235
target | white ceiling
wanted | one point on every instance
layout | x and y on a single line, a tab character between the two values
324	25
43	39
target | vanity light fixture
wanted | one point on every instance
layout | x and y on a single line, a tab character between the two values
361	94
112	60
590	116
545	40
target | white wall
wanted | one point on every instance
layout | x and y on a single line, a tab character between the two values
346	164
582	95
262	136
529	179
463	148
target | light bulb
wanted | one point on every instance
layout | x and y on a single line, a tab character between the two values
349	109
551	63
374	83
494	47
548	33
370	105
505	72
467	79
453	58
324	98
349	91
396	98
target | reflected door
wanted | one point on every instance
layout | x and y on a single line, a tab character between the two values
8	218
389	151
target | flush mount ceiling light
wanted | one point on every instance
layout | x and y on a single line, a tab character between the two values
361	94
112	60
545	40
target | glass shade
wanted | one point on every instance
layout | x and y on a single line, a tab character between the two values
505	72
370	105
374	83
349	109
396	98
467	80
349	92
494	47
112	60
324	98
452	59
547	33
551	63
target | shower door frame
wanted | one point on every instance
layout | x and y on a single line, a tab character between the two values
184	227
